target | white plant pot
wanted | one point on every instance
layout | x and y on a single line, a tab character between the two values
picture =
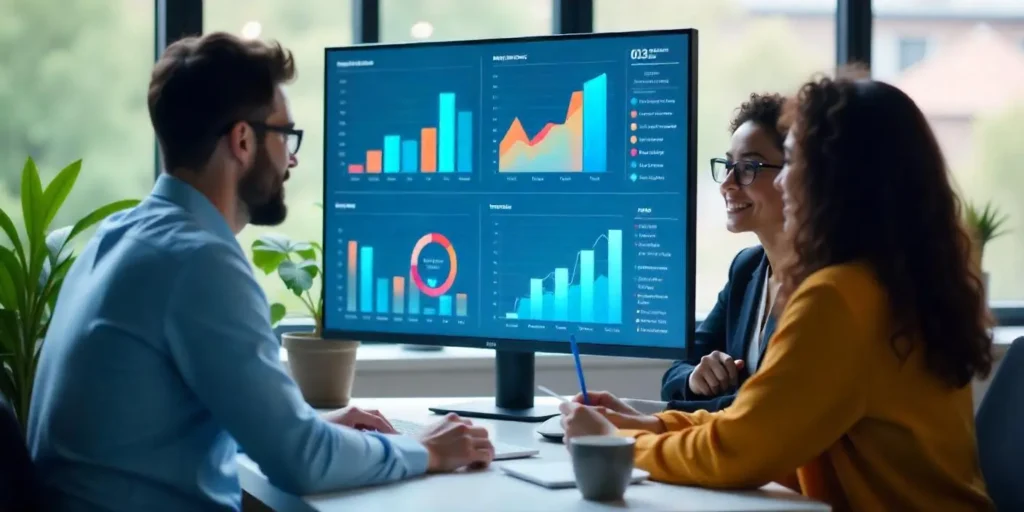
323	369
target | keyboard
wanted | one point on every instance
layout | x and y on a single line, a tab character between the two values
502	451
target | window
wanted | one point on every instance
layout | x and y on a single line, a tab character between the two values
745	46
65	95
402	20
305	28
912	50
970	85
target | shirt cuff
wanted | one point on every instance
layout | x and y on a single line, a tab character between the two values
413	451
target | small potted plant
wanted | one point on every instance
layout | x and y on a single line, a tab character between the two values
32	270
323	369
985	224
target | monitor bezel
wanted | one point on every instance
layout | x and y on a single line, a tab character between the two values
538	346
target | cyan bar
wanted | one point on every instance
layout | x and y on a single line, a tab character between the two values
465	142
366	279
382	295
392	153
595	124
410	155
614	276
446	132
561	294
587	286
536	299
414	297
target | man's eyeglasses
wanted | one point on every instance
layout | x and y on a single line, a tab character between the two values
293	135
745	171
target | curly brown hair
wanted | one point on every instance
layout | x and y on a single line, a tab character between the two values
871	185
764	110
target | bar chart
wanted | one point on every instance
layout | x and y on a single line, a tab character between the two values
444	146
418	291
578	142
585	289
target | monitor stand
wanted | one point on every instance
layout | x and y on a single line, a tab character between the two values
515	391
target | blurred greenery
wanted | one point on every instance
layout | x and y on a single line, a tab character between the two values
1000	178
73	78
74	73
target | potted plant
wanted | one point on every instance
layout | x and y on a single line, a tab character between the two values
32	271
323	369
985	224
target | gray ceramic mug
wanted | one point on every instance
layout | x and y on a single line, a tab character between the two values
603	465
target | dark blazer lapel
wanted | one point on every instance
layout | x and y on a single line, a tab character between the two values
769	330
751	299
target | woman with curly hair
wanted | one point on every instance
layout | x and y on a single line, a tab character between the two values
864	397
729	344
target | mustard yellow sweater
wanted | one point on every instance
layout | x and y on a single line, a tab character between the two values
832	413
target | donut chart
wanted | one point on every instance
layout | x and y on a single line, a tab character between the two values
414	272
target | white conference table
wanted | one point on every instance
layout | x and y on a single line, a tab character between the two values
493	491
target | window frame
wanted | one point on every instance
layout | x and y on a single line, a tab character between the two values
175	19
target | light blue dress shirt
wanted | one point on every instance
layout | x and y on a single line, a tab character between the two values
160	361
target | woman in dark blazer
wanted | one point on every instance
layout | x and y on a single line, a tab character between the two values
729	343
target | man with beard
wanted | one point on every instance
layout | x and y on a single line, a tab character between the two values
160	361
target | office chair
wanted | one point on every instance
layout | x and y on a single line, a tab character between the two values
1000	429
19	489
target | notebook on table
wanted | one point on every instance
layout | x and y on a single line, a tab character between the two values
557	474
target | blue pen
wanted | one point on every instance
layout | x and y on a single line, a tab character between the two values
579	368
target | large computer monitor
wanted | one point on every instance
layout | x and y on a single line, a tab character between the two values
506	194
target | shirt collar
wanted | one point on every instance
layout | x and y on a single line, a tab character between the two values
191	200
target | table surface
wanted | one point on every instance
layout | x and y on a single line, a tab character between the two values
492	490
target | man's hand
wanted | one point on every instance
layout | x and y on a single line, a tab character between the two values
454	442
582	420
716	374
361	419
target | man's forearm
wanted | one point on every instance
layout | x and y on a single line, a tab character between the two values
347	458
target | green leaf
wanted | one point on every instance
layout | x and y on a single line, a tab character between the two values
12	233
317	246
298	277
307	253
97	215
266	259
16	274
274	242
9	333
277	312
8	291
270	250
57	191
31	204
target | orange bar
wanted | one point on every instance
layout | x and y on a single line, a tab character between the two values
373	159
353	251
428	150
355	168
398	293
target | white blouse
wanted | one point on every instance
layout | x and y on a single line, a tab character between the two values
757	334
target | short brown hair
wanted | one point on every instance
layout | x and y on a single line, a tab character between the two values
201	86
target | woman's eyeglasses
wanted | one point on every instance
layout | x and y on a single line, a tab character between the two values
745	171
